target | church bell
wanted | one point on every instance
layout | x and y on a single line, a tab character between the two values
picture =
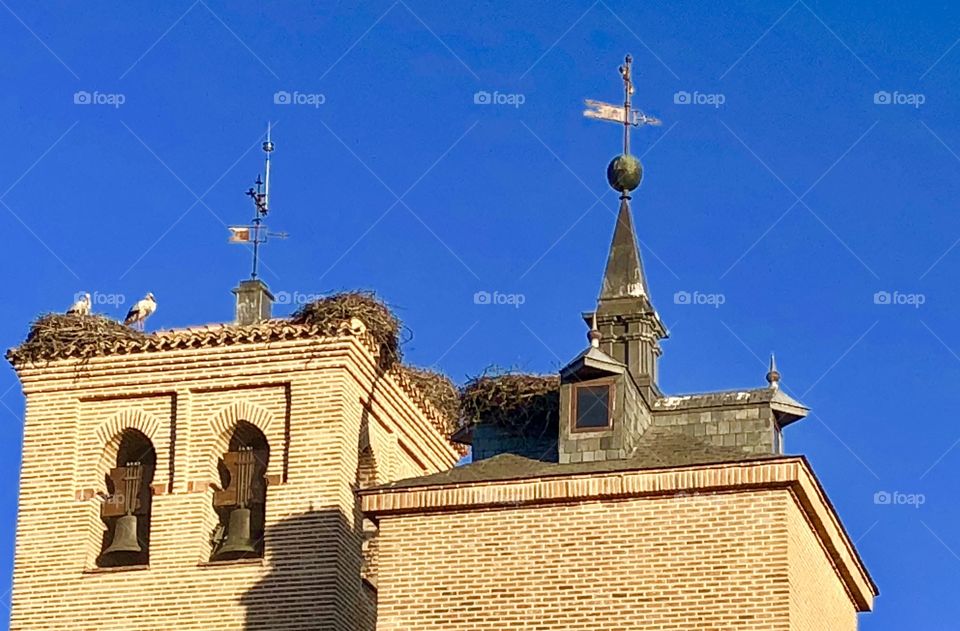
237	543
124	537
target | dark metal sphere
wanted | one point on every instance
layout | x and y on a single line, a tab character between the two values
624	173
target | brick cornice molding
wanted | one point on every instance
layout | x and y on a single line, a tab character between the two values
792	474
168	366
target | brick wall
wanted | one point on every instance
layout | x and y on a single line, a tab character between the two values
315	401
667	564
745	546
817	599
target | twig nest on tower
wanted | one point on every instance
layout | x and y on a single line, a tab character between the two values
357	313
56	336
624	173
523	403
439	391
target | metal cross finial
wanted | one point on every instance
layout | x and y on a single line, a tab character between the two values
626	115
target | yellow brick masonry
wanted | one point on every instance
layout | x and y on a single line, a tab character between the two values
745	546
817	600
318	400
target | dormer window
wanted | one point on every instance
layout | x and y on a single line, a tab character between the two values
592	406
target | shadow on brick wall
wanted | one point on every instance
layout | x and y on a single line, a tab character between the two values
306	554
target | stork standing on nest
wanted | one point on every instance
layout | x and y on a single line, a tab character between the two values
81	307
140	311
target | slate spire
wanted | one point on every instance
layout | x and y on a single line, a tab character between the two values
630	326
624	277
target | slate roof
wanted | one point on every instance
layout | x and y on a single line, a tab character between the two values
660	449
779	400
593	359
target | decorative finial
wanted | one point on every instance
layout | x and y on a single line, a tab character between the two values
625	171
594	334
773	375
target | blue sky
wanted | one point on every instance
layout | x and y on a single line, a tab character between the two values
803	195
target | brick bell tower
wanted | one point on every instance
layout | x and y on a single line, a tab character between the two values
205	478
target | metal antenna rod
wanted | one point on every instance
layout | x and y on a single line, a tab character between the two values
256	247
267	149
627	92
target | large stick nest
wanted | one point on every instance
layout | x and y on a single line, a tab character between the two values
55	335
439	391
522	403
382	325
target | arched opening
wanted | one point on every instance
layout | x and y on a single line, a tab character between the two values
242	499
127	509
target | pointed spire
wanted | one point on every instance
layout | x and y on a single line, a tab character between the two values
624	277
773	375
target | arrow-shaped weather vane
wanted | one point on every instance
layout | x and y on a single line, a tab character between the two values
624	172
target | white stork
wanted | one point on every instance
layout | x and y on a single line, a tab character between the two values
140	311
81	307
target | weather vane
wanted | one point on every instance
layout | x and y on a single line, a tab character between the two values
257	233
624	172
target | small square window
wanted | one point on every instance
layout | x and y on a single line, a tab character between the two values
592	407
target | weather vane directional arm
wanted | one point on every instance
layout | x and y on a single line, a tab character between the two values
624	172
256	233
625	114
